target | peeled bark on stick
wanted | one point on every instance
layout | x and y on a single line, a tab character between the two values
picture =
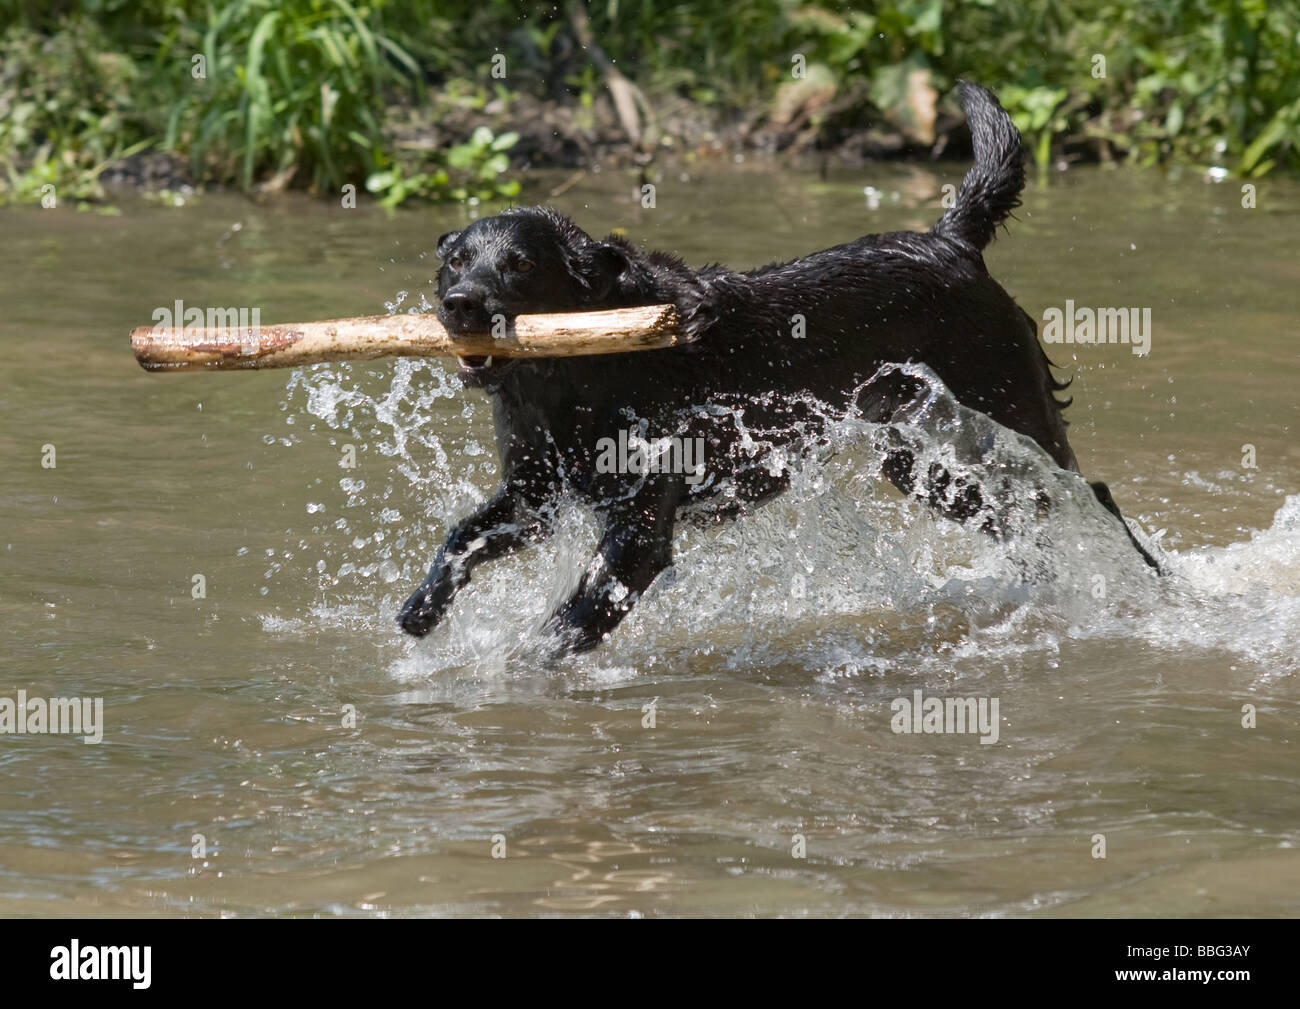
289	345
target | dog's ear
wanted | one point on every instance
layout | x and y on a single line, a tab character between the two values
445	243
604	264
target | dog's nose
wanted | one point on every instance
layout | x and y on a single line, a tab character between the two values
462	302
464	309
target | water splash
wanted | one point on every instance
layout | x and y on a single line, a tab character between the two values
841	576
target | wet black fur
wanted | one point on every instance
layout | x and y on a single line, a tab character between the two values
893	298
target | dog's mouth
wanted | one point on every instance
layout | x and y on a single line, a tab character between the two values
475	362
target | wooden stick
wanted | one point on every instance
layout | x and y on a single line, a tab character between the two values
289	345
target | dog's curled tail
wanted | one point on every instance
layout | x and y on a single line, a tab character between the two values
991	189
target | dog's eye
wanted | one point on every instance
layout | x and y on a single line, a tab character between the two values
523	265
455	263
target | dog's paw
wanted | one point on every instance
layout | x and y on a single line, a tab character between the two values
424	610
571	630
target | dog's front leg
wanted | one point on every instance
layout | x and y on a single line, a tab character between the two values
501	526
636	545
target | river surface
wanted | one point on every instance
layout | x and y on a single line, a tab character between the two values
195	551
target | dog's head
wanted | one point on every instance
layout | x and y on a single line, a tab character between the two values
534	260
525	261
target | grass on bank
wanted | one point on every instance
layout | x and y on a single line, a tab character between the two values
307	94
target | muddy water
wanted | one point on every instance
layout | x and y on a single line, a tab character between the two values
233	778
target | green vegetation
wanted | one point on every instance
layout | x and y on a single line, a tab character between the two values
283	91
65	111
315	94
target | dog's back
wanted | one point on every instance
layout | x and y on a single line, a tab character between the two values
825	323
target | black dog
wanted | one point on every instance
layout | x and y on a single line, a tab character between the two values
765	341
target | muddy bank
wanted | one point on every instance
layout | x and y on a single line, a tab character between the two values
807	118
805	126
